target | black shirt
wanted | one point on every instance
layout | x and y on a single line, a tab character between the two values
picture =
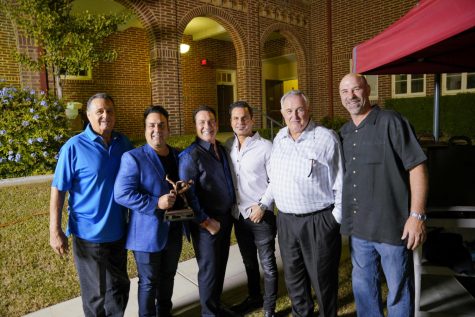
170	165
376	195
212	193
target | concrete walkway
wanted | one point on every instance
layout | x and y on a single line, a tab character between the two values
25	180
185	294
437	298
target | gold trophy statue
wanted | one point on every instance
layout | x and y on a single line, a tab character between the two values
180	187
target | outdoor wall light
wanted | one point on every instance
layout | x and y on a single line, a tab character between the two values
72	109
184	48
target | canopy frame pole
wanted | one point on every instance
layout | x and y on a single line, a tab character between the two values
437	90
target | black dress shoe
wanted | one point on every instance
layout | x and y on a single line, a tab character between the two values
247	305
227	312
269	313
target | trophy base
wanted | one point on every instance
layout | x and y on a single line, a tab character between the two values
179	215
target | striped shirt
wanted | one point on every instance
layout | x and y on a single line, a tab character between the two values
306	175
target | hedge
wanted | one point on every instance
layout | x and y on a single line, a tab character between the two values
457	113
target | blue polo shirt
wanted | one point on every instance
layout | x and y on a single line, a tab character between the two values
87	170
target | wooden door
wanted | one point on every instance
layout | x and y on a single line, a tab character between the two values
274	91
225	98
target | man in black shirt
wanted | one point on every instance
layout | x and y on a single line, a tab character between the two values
384	197
211	197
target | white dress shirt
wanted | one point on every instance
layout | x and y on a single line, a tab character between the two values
250	168
306	175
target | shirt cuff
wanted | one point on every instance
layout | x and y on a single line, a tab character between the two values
337	214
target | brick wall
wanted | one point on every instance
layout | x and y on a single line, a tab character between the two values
126	80
355	24
321	35
199	82
9	68
278	47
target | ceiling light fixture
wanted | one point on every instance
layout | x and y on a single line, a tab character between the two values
184	48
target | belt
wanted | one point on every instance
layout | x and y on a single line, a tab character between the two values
311	213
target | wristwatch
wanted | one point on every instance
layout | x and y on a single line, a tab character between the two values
262	206
418	216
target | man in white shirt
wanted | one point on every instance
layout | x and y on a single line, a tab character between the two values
254	224
306	173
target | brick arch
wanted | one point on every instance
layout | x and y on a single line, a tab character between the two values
146	16
223	18
293	35
238	39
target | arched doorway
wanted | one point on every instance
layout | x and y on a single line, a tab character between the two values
279	72
283	66
211	72
208	70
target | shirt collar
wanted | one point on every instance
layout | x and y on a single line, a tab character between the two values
370	118
205	144
248	140
305	134
93	136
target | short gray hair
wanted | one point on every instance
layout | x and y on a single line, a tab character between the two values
293	93
100	95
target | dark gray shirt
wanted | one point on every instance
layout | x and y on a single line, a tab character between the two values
376	195
212	193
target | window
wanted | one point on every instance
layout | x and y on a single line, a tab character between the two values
373	83
224	77
407	85
85	74
454	83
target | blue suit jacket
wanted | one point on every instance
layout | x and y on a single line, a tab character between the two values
138	186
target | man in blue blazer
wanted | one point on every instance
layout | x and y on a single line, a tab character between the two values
141	186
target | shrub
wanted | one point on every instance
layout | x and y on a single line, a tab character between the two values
181	141
334	123
32	129
456	113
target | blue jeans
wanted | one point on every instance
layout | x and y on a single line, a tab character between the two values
396	262
259	238
102	270
156	272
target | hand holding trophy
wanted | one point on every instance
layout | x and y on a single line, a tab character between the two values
179	188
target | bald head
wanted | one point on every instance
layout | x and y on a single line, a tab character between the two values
354	93
357	77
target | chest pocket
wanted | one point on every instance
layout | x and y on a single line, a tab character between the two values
310	163
316	170
372	153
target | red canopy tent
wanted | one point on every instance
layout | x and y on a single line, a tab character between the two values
436	36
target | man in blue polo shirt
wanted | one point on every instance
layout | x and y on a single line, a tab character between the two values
87	167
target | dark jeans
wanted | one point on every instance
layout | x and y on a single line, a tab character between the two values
212	256
157	276
102	270
259	238
310	248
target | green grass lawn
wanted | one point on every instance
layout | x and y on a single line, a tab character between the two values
34	277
